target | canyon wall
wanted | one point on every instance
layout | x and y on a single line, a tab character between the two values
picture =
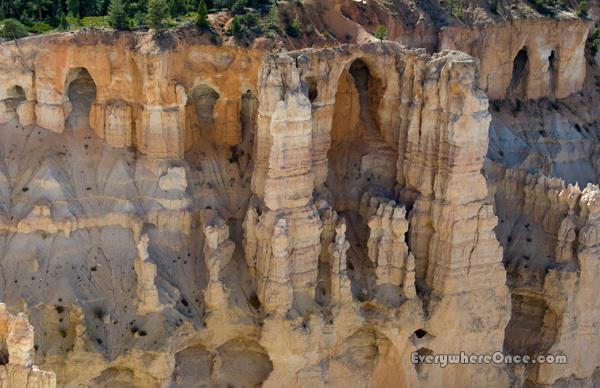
300	215
174	213
527	59
542	174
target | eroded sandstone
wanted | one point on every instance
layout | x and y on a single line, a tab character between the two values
185	214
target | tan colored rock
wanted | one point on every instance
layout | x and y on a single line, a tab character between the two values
387	249
218	252
146	272
340	283
51	117
118	130
17	369
540	38
303	218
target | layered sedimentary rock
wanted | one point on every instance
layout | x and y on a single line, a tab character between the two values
299	88
131	104
548	229
540	58
177	214
542	159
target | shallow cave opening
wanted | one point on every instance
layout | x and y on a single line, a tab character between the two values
241	362
81	92
215	164
204	99
313	91
368	88
192	367
520	73
200	114
323	287
247	109
16	95
200	122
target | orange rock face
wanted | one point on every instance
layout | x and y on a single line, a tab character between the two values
174	213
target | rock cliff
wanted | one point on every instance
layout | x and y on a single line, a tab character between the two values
173	213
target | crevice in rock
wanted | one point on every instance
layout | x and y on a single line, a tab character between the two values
533	325
360	268
553	71
517	88
323	288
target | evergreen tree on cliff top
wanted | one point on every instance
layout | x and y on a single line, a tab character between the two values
202	21
155	16
117	17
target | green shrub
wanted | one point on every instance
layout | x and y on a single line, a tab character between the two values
236	27
582	8
242	26
594	40
381	32
13	29
73	21
95	21
547	7
272	20
293	28
456	8
239	7
139	20
40	27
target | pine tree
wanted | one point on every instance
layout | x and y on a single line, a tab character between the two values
39	7
157	11
202	21
88	8
73	8
117	17
63	24
13	29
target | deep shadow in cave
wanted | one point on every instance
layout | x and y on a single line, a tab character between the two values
81	92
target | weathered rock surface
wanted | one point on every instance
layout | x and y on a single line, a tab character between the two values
180	214
551	53
16	354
